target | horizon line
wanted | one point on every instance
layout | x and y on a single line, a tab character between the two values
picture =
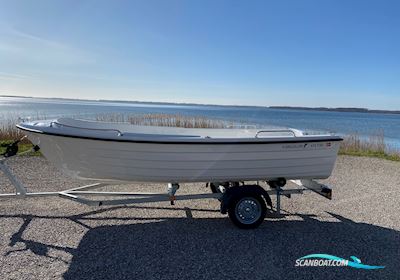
320	108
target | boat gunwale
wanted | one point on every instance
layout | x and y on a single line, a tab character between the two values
209	141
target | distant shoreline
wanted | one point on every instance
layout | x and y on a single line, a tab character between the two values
340	109
324	109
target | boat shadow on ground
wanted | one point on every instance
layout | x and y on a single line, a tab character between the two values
205	248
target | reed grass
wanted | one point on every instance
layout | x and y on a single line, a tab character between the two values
171	120
373	146
9	131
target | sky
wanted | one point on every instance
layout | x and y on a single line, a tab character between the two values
332	53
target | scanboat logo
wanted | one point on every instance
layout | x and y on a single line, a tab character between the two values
329	260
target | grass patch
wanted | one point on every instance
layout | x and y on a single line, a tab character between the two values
388	156
22	147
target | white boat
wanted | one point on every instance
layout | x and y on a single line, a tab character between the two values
229	159
112	151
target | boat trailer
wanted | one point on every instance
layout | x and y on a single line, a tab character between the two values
245	203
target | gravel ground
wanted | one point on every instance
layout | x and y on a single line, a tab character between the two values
53	238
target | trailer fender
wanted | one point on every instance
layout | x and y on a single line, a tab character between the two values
244	190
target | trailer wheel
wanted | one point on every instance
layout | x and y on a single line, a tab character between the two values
247	211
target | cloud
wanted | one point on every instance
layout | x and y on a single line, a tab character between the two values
26	47
34	38
13	76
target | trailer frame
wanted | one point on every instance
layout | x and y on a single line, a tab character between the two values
84	194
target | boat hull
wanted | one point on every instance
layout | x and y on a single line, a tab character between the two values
187	162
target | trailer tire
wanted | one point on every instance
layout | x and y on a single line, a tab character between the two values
247	210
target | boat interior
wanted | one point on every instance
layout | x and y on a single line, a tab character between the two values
68	126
